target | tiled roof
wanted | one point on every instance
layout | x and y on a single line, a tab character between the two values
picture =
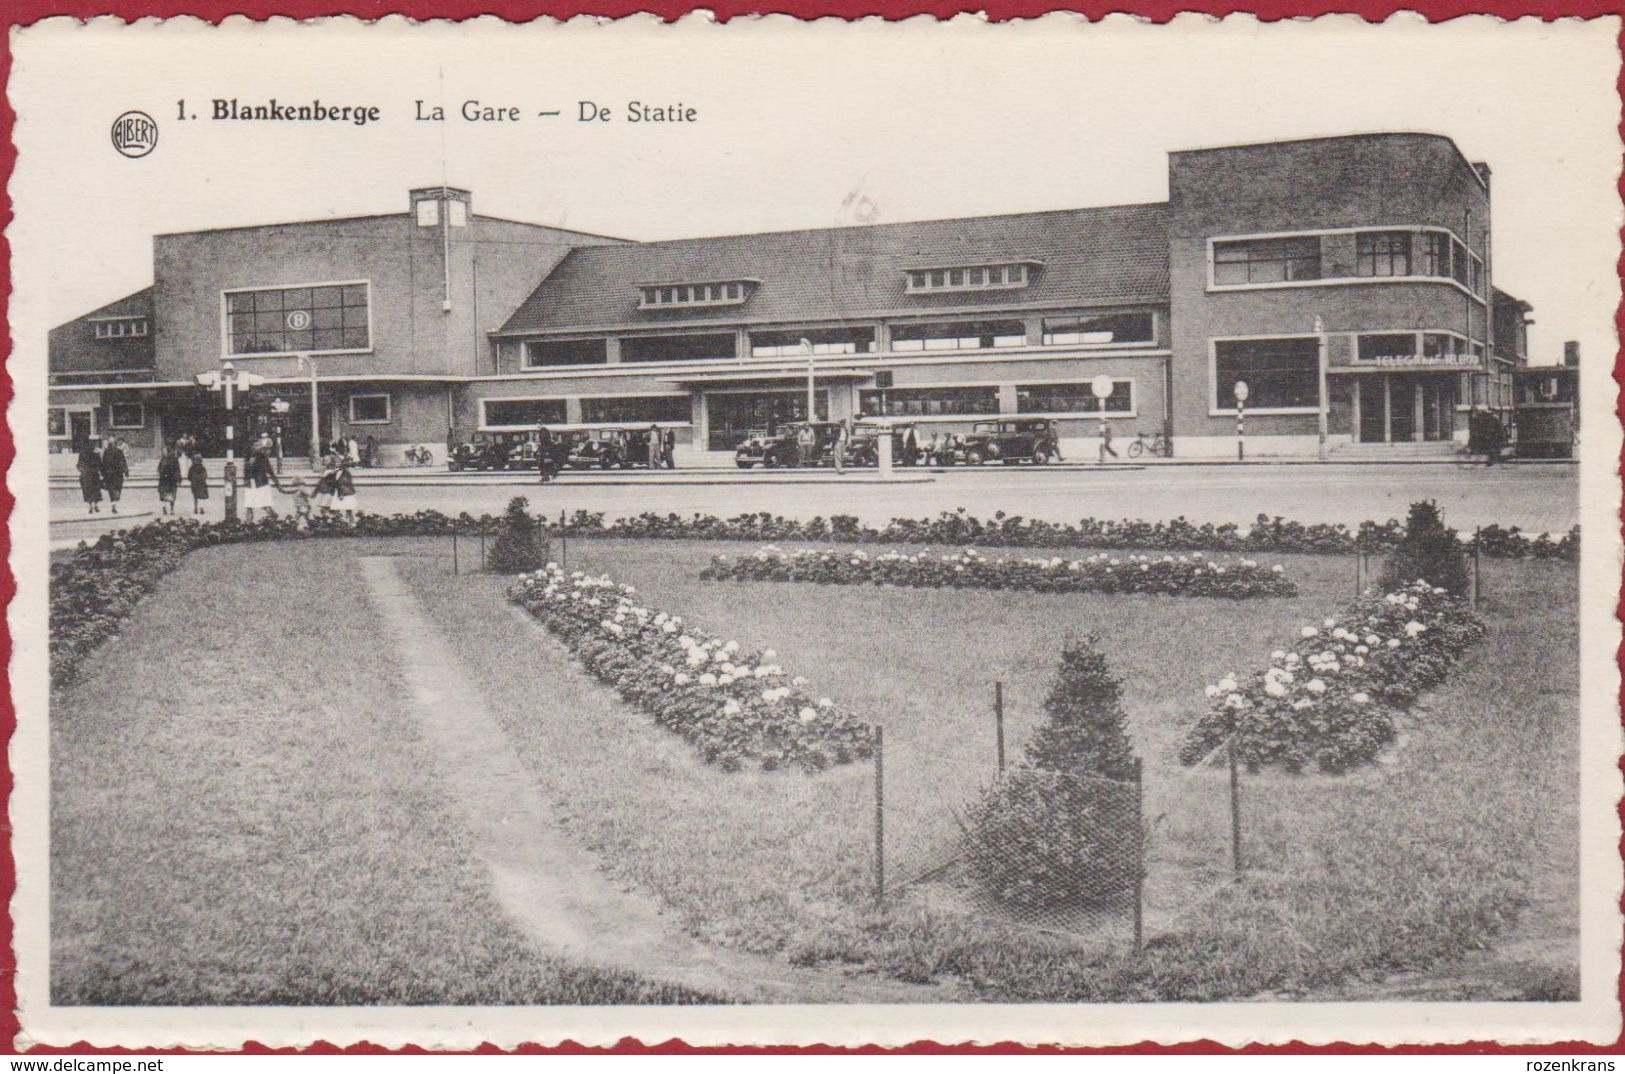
1090	257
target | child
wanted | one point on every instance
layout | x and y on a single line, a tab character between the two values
198	477
344	490
301	503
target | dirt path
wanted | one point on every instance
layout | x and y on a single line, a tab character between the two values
552	889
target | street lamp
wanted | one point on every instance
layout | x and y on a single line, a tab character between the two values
1101	386
228	380
1241	421
305	361
279	417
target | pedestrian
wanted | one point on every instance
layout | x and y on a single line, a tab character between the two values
344	498
544	454
1106	439
372	453
806	440
840	448
652	449
258	477
911	448
115	468
169	480
668	449
90	477
352	451
197	475
323	498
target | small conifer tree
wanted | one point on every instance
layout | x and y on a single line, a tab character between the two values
521	543
1429	551
1061	826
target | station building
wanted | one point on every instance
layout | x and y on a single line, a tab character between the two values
1347	280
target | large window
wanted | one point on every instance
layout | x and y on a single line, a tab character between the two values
1383	253
126	415
1280	373
1266	260
546	352
638	408
1375	347
959	336
1434	250
1099	330
676	348
521	413
787	344
726	293
293	320
1073	397
928	402
122	328
370	409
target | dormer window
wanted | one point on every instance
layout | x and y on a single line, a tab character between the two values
1002	276
122	327
688	295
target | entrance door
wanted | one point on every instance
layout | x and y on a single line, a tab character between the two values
732	416
1402	409
81	428
1373	421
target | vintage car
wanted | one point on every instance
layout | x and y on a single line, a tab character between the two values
1032	440
768	449
482	451
605	449
863	447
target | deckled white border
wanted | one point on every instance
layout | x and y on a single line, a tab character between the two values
1595	1018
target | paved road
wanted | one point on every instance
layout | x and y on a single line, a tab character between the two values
1534	498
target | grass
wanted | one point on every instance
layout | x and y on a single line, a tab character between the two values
1400	870
289	849
241	815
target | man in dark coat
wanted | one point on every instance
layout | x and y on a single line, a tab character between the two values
90	476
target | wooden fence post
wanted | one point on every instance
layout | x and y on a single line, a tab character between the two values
880	817
998	721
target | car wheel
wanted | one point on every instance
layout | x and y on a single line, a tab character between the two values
974	457
1040	457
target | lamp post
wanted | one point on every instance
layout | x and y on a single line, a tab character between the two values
1241	421
812	409
307	362
1101	386
228	380
1325	399
279	416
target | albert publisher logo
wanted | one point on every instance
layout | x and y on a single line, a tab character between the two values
135	134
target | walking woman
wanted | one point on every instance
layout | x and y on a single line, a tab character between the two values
323	498
169	480
90	477
115	468
197	475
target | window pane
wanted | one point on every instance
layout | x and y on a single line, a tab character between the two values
524	412
1104	329
1072	397
959	335
369	408
919	402
1387	345
636	408
1278	372
298	319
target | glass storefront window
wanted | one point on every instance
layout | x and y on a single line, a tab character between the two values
1280	373
638	408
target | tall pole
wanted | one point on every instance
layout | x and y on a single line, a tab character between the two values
1241	431
228	383
1325	399
812	395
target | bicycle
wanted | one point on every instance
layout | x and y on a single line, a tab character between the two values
417	455
1157	445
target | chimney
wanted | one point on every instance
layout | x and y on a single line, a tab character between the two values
1571	354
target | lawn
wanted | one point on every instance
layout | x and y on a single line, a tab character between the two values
1409	868
241	812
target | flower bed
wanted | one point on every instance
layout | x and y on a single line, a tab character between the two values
1265	535
1333	699
735	707
1177	576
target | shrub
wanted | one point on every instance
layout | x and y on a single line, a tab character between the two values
521	543
1428	552
1062	827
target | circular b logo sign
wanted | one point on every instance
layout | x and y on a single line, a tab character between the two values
135	134
298	320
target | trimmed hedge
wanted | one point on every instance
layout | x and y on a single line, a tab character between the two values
1182	576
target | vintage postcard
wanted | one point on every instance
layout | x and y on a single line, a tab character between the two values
788	532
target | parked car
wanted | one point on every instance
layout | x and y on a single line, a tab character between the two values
767	450
863	449
1032	440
